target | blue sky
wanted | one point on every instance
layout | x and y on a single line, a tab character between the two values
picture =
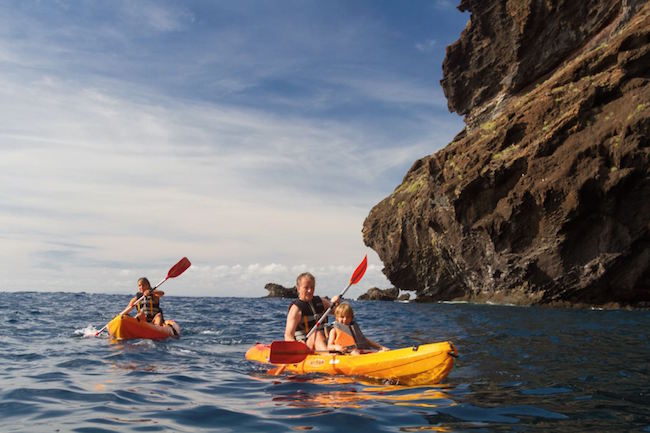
251	136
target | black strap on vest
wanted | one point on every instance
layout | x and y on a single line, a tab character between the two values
311	312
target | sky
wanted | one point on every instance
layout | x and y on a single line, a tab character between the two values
252	137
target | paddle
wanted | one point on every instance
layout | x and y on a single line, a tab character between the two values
174	272
291	352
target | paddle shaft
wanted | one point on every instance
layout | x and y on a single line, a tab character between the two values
141	299
293	351
354	279
320	320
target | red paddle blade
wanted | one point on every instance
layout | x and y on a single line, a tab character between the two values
179	268
288	352
359	271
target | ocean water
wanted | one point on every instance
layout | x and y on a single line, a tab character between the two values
520	370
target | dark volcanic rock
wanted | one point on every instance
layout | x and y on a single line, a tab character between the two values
404	297
278	291
375	294
508	45
545	195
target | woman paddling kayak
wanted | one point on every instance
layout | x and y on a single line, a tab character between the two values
148	308
124	326
148	322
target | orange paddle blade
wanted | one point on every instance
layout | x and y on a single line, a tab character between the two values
359	271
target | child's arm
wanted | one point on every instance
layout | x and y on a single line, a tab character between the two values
377	345
331	346
373	344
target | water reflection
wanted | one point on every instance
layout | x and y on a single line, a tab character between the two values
326	393
436	428
428	408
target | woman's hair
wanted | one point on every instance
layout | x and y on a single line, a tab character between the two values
305	275
144	281
344	310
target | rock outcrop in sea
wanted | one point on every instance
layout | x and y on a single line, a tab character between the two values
279	291
544	197
377	294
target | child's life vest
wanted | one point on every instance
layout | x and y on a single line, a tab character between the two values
350	336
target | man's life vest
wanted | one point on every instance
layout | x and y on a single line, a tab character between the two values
311	312
150	305
350	336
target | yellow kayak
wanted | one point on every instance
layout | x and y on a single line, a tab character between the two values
124	327
418	365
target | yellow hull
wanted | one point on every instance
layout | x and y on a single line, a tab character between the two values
418	365
128	328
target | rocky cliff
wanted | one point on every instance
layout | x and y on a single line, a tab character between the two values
544	197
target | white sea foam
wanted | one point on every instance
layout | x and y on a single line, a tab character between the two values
88	331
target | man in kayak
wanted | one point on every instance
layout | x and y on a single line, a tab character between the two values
148	308
346	336
305	311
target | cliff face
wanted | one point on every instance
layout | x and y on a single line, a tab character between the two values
544	197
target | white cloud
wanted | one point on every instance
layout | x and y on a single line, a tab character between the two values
249	280
81	174
426	46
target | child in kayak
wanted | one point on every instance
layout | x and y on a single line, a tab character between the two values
346	336
149	308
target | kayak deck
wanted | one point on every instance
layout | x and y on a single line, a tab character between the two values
125	327
418	365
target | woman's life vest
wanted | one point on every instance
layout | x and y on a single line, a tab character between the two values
350	336
311	312
150	305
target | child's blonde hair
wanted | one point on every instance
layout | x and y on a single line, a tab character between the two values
344	310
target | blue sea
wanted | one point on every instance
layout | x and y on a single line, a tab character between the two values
519	370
